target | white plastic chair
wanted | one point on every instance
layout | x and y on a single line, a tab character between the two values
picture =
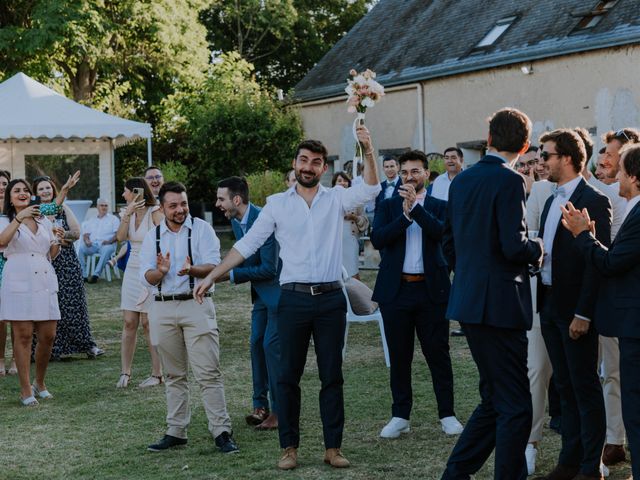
352	317
92	263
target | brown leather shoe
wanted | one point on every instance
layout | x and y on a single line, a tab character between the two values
613	454
270	423
334	457
257	417
561	472
289	459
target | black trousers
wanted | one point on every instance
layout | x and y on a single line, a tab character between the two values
412	313
575	370
630	389
502	421
301	315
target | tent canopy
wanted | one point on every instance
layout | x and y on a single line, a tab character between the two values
29	110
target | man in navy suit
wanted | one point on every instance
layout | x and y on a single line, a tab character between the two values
617	311
261	269
567	289
390	187
485	240
412	289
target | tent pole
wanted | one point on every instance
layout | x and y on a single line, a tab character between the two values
149	157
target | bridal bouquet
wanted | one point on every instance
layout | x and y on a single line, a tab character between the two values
363	91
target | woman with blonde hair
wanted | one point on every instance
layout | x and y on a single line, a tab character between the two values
141	215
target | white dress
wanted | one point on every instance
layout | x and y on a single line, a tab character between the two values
29	283
135	296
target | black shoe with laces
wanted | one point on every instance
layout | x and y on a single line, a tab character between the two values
225	443
167	442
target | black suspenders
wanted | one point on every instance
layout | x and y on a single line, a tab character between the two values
158	251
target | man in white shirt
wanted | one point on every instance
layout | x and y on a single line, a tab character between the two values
391	185
155	179
453	161
98	237
307	221
173	258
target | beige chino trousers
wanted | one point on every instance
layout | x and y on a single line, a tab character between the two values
186	334
609	362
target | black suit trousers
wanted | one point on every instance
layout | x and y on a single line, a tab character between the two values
575	374
301	315
630	389
413	313
502	421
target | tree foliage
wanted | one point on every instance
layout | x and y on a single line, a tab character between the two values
228	125
284	39
120	56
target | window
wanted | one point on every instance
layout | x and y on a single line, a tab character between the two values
592	18
59	167
495	33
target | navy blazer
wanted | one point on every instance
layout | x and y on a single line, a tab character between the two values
380	196
617	311
389	233
262	268
485	241
574	281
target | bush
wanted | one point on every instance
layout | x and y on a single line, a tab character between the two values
263	184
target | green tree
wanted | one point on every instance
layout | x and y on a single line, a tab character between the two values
121	56
284	39
228	125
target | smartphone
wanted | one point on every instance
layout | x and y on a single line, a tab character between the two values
138	194
35	200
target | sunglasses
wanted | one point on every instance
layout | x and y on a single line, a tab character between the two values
622	134
546	155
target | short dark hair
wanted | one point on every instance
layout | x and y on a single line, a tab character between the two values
173	187
139	182
568	142
152	167
343	175
414	155
586	139
6	174
314	146
631	161
454	149
624	135
509	129
389	158
8	209
236	186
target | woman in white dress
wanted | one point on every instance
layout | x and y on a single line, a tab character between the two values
28	296
355	222
140	216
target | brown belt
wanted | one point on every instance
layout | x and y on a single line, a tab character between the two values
412	277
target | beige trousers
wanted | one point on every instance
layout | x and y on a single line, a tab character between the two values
540	371
186	334
610	373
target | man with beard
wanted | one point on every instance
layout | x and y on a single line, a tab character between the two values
412	290
261	269
174	257
307	221
453	161
155	179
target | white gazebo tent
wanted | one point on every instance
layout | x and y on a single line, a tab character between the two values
35	120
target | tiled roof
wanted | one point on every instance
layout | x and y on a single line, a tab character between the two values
410	40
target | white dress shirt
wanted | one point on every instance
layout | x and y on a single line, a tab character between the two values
310	238
413	262
630	204
552	223
205	248
441	186
391	186
618	203
101	228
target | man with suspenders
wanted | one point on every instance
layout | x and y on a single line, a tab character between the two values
174	257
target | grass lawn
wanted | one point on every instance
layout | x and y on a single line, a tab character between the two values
92	430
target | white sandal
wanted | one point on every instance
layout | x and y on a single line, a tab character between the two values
152	381
29	401
123	381
42	394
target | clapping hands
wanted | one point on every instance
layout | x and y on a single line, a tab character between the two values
577	221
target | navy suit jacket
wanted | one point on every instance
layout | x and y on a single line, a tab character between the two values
617	311
574	281
389	233
262	268
485	241
380	197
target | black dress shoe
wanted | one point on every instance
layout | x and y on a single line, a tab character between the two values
93	279
225	443
167	442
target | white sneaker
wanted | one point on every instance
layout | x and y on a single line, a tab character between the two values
451	426
530	454
395	427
